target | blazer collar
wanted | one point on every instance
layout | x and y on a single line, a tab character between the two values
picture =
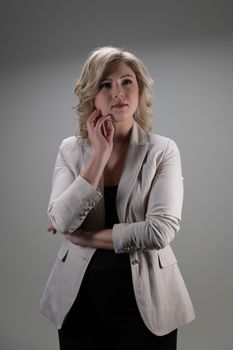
137	150
138	135
136	153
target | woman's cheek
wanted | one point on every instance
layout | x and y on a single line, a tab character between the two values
101	103
102	108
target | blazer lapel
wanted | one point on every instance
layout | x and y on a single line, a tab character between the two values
137	151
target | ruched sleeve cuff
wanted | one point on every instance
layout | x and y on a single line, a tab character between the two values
68	211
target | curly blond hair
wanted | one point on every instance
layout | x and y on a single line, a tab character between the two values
98	65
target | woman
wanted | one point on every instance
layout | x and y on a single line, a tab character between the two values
117	197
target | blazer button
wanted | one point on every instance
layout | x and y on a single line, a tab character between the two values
135	261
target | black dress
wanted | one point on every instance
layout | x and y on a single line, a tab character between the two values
105	313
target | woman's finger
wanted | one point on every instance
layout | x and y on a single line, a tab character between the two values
51	229
93	117
102	120
109	130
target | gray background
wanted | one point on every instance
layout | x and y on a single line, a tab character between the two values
187	48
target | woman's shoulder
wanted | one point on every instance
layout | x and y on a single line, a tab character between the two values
154	140
72	142
161	148
161	142
72	148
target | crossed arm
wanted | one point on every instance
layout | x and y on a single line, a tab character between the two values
96	238
103	144
72	198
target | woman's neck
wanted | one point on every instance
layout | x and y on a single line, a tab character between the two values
122	131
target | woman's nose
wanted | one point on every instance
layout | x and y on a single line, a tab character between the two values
118	92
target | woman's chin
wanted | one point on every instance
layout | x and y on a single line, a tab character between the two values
116	118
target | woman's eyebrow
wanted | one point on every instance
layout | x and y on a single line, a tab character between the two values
127	75
122	76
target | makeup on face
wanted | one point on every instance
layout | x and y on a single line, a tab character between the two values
118	93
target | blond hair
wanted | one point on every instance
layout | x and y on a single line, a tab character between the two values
99	63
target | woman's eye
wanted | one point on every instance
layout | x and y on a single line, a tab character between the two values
105	85
127	81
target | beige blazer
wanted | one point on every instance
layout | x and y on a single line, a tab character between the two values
149	203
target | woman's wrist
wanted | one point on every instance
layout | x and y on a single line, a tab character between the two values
94	170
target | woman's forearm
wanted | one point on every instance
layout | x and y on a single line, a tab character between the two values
96	239
94	170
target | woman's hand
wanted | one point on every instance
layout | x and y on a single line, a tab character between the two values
95	239
51	229
100	132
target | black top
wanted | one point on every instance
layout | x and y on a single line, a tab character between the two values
106	259
111	216
107	284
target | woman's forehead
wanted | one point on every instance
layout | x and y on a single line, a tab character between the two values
118	68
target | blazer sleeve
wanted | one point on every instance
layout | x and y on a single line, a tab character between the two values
71	197
163	213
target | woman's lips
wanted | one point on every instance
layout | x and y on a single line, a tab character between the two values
120	105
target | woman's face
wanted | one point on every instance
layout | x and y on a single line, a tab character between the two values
118	93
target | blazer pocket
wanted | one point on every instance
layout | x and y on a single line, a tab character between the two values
166	257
